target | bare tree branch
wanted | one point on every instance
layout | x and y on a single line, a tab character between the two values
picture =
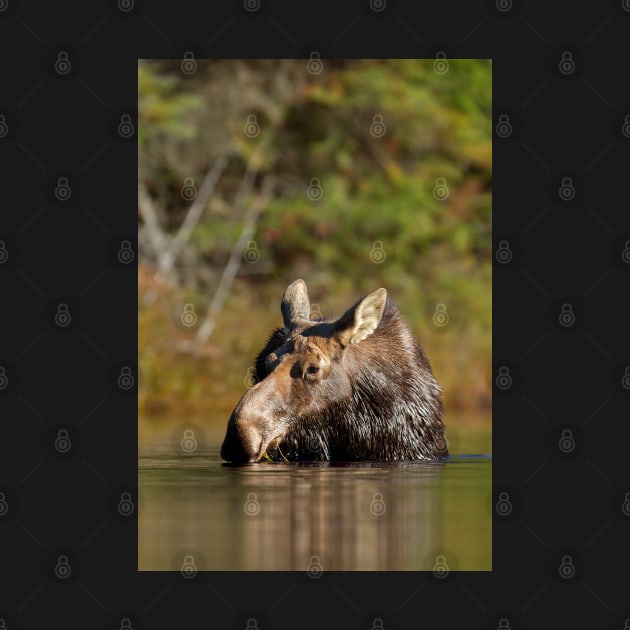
233	264
170	253
157	238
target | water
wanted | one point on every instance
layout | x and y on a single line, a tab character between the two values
311	517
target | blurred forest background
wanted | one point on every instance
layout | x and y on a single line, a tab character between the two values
350	174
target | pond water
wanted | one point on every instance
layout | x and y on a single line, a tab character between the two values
197	513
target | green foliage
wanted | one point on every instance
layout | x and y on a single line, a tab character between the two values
379	191
164	110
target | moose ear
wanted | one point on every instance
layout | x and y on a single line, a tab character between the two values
295	303
361	320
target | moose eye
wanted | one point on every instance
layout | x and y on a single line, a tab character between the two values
312	370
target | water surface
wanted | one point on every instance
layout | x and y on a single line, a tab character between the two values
193	508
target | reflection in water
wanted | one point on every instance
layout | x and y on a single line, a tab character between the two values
339	518
313	517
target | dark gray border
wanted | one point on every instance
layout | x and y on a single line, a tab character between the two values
558	81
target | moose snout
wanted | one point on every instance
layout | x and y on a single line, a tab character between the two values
254	424
243	441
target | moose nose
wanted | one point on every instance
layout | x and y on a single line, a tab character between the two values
232	449
242	443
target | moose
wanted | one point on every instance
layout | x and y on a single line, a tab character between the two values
355	388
